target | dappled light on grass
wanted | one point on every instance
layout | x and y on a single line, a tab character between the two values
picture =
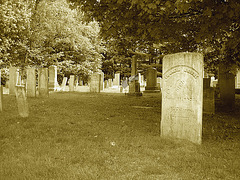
107	136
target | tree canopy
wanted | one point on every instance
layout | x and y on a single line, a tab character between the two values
208	26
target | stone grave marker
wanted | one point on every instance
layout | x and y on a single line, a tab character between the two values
237	80
53	78
1	93
116	80
102	81
22	104
151	86
31	82
13	74
43	82
110	83
182	96
95	82
71	83
106	84
64	82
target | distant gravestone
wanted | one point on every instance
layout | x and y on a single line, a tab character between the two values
64	82
52	78
95	82
71	83
151	81
31	82
13	71
159	82
43	82
208	100
22	104
182	95
110	83
116	80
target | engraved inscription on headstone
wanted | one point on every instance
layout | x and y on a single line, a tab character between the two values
182	96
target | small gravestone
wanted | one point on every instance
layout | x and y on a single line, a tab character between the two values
43	82
1	92
116	80
52	72
22	104
110	83
95	82
31	82
182	96
237	80
13	74
152	86
71	83
64	82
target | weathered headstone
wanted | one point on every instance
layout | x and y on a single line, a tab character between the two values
22	104
64	82
12	79
151	86
226	87
134	85
71	83
116	80
31	82
95	82
53	78
43	82
182	96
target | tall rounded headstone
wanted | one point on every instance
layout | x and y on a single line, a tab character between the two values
43	82
182	96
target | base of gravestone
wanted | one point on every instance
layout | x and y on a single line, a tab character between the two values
22	104
1	97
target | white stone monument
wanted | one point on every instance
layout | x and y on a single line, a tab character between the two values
71	83
13	74
53	78
182	96
95	82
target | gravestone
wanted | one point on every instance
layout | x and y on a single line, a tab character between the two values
64	82
1	97
134	85
182	96
43	82
102	81
13	74
110	83
31	82
151	86
226	87
159	82
22	104
208	97
95	82
53	78
71	83
116	80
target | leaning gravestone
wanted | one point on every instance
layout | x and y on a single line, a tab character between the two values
31	82
182	96
43	82
22	104
95	82
64	82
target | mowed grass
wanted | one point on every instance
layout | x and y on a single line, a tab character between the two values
111	136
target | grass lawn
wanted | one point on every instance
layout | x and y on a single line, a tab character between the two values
111	136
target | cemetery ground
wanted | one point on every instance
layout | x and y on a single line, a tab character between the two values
111	136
